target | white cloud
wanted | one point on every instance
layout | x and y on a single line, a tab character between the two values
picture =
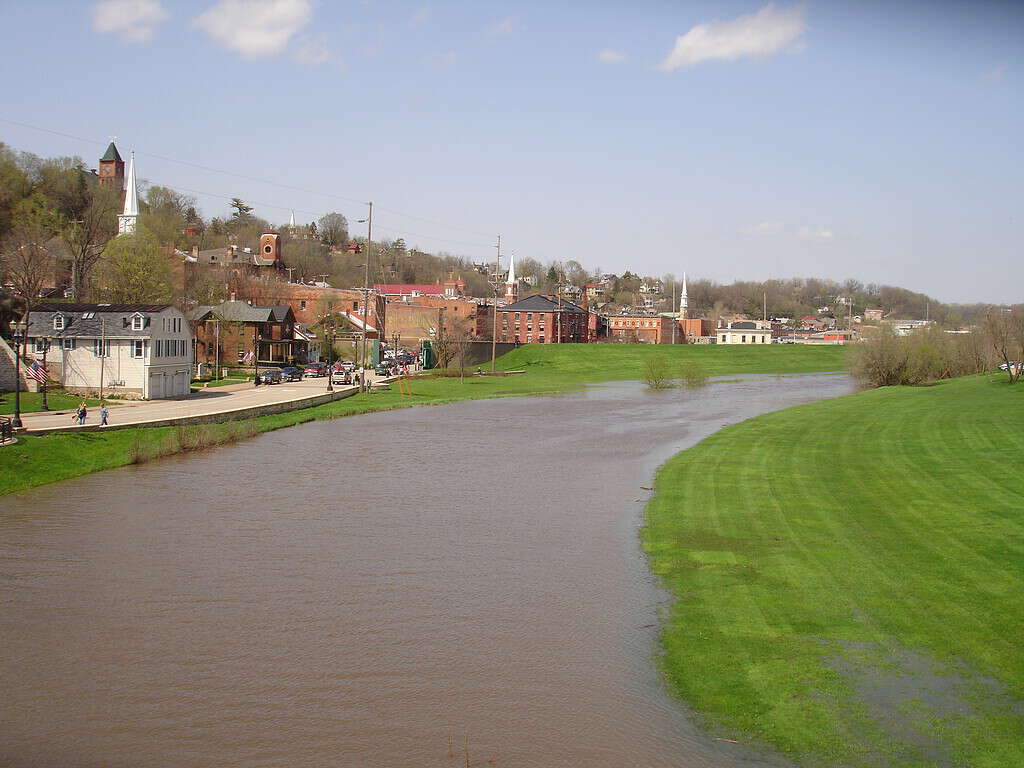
821	234
420	16
312	50
995	74
445	60
132	20
501	28
611	56
760	34
767	228
255	27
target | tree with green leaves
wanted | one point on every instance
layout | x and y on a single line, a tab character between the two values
135	271
242	211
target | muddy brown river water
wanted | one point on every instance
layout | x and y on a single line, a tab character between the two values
363	591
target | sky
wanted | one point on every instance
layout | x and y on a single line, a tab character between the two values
875	140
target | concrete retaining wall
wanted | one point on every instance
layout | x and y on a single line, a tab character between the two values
208	418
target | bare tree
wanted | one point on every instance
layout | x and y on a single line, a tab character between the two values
86	236
334	230
27	264
1005	332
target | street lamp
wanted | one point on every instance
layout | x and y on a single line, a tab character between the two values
256	356
330	366
44	345
19	335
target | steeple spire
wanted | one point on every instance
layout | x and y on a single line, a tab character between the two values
684	300
128	218
511	283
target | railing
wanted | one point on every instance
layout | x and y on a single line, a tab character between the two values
6	430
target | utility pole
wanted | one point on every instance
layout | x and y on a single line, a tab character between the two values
494	332
366	294
672	309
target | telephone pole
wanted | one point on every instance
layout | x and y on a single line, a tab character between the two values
494	331
366	294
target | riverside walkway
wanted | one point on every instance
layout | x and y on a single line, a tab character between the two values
209	405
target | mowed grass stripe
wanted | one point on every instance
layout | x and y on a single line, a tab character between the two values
834	550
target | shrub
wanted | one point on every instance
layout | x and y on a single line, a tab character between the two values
692	375
656	373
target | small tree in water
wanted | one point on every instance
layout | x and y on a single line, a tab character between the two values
692	375
656	373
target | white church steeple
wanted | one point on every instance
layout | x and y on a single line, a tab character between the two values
128	218
511	283
684	300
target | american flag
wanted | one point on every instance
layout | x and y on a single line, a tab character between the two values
38	372
247	357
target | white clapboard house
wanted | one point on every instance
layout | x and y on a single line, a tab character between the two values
127	350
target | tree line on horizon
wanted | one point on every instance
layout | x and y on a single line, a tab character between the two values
55	218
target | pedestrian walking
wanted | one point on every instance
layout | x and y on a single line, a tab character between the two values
82	413
104	413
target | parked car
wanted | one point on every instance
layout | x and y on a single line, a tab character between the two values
341	377
315	369
271	376
383	370
1014	363
291	373
346	365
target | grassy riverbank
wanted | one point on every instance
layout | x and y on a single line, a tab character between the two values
38	460
849	577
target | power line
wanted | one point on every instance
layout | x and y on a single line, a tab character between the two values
257	180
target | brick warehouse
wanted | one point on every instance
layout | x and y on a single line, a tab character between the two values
541	319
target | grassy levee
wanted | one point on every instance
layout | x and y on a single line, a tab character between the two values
582	363
849	577
38	460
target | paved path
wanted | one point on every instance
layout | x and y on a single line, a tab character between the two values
207	401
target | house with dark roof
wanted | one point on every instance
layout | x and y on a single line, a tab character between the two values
744	332
540	319
131	350
235	333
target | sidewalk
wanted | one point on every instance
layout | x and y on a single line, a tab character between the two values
236	401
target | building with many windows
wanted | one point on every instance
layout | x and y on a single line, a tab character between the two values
744	332
541	319
128	350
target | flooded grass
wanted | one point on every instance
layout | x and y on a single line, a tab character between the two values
849	578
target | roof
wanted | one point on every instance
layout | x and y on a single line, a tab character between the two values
241	312
539	303
92	320
111	155
403	289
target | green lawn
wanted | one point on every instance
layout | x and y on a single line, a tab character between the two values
56	400
849	577
582	363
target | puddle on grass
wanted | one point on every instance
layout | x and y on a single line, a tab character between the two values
916	701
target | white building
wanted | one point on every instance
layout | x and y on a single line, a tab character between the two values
744	332
128	350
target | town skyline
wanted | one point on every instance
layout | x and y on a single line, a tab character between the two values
601	182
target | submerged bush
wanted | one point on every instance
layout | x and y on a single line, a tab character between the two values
656	373
692	375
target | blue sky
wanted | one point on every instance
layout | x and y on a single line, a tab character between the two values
730	140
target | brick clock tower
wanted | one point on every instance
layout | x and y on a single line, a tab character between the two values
112	168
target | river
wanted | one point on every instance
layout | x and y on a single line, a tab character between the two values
365	592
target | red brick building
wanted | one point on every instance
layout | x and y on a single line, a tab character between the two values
236	333
541	319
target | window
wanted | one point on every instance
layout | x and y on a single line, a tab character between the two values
69	343
138	323
138	348
723	338
101	348
302	304
158	348
517	315
209	348
58	322
355	305
743	339
241	351
38	345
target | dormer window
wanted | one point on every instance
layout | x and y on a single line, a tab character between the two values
138	323
58	322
